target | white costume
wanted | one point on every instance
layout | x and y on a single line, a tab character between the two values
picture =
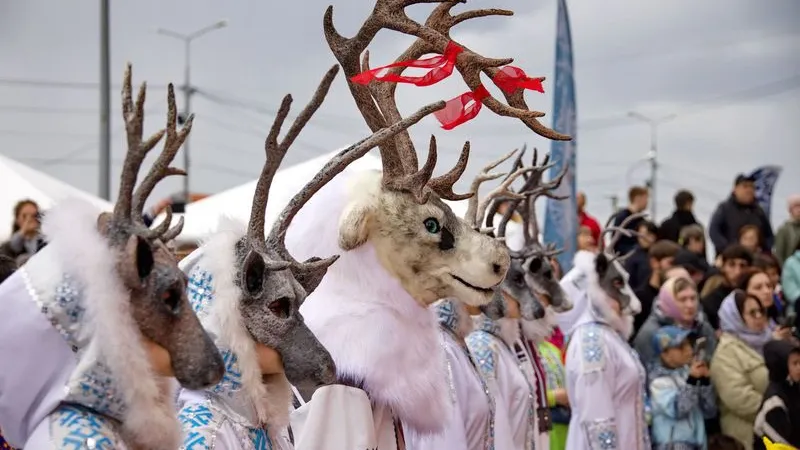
606	383
471	425
241	412
80	377
515	404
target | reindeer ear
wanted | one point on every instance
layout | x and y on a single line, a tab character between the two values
309	278
138	261
103	222
353	230
601	265
253	272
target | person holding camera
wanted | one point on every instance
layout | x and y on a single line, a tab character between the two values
26	238
681	394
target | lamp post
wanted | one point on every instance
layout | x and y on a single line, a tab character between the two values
652	155
187	88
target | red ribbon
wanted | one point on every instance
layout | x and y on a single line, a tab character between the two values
441	67
462	108
511	78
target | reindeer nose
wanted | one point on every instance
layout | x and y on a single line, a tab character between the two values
496	268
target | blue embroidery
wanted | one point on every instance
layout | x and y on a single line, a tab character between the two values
68	299
79	428
593	351
446	314
232	379
97	390
479	344
602	434
195	441
200	290
260	439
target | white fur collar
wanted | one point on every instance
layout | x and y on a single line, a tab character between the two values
270	400
380	337
539	330
150	420
601	311
509	331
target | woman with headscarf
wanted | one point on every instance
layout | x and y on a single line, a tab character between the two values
738	371
676	304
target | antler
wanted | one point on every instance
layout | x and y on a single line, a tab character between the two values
376	101
316	267
130	206
618	231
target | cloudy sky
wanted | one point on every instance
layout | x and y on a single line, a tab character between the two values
729	70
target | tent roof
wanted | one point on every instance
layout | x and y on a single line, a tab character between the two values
202	217
22	182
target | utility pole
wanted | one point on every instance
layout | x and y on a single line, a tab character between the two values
652	155
105	103
187	88
614	203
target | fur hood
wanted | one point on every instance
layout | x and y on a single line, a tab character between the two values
215	297
101	363
381	339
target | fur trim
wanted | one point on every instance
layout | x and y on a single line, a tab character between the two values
377	334
150	421
509	331
269	398
464	325
539	330
601	306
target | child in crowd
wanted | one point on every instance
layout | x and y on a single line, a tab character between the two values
724	442
779	417
681	394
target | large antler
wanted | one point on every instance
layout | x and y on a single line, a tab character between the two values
130	206
376	101
618	231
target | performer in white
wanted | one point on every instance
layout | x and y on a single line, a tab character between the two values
606	383
98	322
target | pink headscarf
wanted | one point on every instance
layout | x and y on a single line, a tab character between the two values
668	305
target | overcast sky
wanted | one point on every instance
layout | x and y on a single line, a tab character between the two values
729	69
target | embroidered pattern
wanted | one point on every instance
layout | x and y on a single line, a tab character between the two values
198	426
194	440
232	379
68	299
601	434
446	315
480	346
593	355
75	428
97	390
260	439
200	290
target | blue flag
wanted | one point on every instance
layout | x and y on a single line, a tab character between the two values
561	216
765	178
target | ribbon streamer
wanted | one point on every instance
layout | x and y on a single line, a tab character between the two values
462	108
441	67
511	78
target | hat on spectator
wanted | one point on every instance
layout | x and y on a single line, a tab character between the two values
668	337
742	178
689	261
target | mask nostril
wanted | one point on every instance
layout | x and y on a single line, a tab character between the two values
496	268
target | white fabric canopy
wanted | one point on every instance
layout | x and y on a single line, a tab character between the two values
18	182
202	217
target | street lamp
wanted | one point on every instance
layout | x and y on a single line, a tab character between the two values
187	88
652	155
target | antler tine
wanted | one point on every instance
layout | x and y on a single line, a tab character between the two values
173	232
443	185
502	191
133	115
471	216
161	169
621	230
416	181
518	160
276	151
331	169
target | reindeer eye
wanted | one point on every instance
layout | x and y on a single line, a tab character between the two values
281	307
519	279
618	283
172	300
536	265
432	225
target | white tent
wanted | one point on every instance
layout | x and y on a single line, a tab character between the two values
18	181
202	217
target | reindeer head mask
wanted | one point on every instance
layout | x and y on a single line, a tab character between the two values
611	276
417	237
147	268
530	277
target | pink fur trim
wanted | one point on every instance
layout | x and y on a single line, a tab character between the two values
151	420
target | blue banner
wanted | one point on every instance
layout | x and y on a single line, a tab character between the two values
765	178
561	216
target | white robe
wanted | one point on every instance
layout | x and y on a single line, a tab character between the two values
514	401
605	384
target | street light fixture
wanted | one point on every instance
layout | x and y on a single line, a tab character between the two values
187	88
652	155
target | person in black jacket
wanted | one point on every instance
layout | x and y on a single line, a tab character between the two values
7	267
637	202
671	228
738	210
638	264
735	259
779	417
26	238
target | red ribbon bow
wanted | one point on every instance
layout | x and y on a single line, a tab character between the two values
460	109
511	78
441	67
